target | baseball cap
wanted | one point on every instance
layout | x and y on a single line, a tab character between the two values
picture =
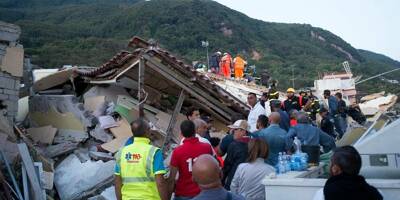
290	90
240	124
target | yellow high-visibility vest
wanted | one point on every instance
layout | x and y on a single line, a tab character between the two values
138	179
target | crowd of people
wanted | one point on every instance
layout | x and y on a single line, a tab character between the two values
227	66
250	149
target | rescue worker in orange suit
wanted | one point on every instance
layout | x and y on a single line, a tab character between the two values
225	65
292	101
239	64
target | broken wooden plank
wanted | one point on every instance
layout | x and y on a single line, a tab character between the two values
172	122
60	149
30	169
48	164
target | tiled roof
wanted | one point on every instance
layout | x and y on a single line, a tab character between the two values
117	65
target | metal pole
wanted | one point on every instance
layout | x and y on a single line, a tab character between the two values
208	60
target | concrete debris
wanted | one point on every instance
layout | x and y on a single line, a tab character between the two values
82	154
107	194
100	134
57	120
60	149
66	135
6	128
97	105
372	96
100	156
23	109
107	121
121	134
53	80
47	180
110	92
9	32
43	134
378	104
60	105
76	180
13	61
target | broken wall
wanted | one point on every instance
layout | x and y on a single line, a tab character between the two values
11	67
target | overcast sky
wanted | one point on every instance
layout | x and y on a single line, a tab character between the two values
366	24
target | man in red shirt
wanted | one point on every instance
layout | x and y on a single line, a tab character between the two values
182	161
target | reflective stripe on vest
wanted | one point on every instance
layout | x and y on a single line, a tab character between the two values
148	170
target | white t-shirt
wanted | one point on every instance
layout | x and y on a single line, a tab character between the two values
256	111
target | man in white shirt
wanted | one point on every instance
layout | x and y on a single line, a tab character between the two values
256	110
201	128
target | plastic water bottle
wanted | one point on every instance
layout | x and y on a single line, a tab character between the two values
297	144
287	162
281	165
304	161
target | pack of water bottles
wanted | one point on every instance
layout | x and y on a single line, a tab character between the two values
295	162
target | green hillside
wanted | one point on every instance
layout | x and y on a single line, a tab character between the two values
89	32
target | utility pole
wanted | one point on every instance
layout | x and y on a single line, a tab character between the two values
292	76
206	44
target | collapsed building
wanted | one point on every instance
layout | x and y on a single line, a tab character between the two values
78	117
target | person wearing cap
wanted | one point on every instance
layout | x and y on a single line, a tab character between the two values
303	98
237	151
214	62
225	65
312	107
228	139
327	123
256	110
292	101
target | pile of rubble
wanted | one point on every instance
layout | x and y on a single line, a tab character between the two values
77	118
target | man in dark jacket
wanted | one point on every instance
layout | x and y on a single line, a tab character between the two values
345	181
333	112
292	101
237	151
214	62
285	120
327	123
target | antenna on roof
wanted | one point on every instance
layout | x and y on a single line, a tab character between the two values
346	67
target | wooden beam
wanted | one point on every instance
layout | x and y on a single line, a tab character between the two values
141	86
172	121
189	87
30	169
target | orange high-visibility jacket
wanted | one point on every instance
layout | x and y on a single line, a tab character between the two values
226	65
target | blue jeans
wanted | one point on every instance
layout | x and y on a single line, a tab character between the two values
182	198
340	125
